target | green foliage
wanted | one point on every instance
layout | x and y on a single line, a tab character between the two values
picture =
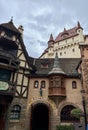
76	113
64	127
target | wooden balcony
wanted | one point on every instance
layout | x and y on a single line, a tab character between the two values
8	60
57	92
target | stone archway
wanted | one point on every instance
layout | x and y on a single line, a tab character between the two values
64	112
40	117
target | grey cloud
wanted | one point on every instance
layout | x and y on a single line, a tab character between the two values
40	18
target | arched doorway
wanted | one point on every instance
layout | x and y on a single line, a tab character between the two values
40	117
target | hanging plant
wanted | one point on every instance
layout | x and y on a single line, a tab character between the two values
64	127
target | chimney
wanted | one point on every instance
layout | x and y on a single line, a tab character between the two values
86	39
20	28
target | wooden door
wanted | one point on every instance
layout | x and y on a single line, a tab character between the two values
2	116
2	123
49	117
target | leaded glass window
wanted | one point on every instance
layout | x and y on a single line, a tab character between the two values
15	112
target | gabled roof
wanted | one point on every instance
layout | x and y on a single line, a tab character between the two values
10	26
68	65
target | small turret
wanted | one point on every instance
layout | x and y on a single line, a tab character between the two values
20	28
51	41
56	67
78	25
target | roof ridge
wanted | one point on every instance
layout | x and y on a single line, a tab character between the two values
10	26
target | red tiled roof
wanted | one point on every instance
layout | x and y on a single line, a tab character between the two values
64	35
68	33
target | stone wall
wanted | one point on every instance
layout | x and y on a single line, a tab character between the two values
18	124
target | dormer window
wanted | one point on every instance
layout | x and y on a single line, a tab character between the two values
2	33
65	33
78	31
44	65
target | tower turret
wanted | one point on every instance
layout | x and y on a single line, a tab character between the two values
51	41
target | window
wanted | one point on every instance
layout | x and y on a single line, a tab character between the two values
73	38
60	53
5	74
15	112
73	50
36	83
51	82
66	114
44	65
55	81
74	84
43	84
66	41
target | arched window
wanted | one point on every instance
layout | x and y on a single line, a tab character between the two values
15	112
36	83
66	114
43	84
74	84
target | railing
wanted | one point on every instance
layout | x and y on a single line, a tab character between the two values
7	54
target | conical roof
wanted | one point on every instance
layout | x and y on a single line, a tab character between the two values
78	25
56	66
51	38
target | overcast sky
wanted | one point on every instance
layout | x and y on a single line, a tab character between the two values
40	18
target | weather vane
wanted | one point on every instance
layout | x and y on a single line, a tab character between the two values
12	19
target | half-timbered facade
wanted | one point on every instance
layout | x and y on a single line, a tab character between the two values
14	83
39	94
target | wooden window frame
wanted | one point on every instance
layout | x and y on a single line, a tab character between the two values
74	84
15	112
43	84
36	84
